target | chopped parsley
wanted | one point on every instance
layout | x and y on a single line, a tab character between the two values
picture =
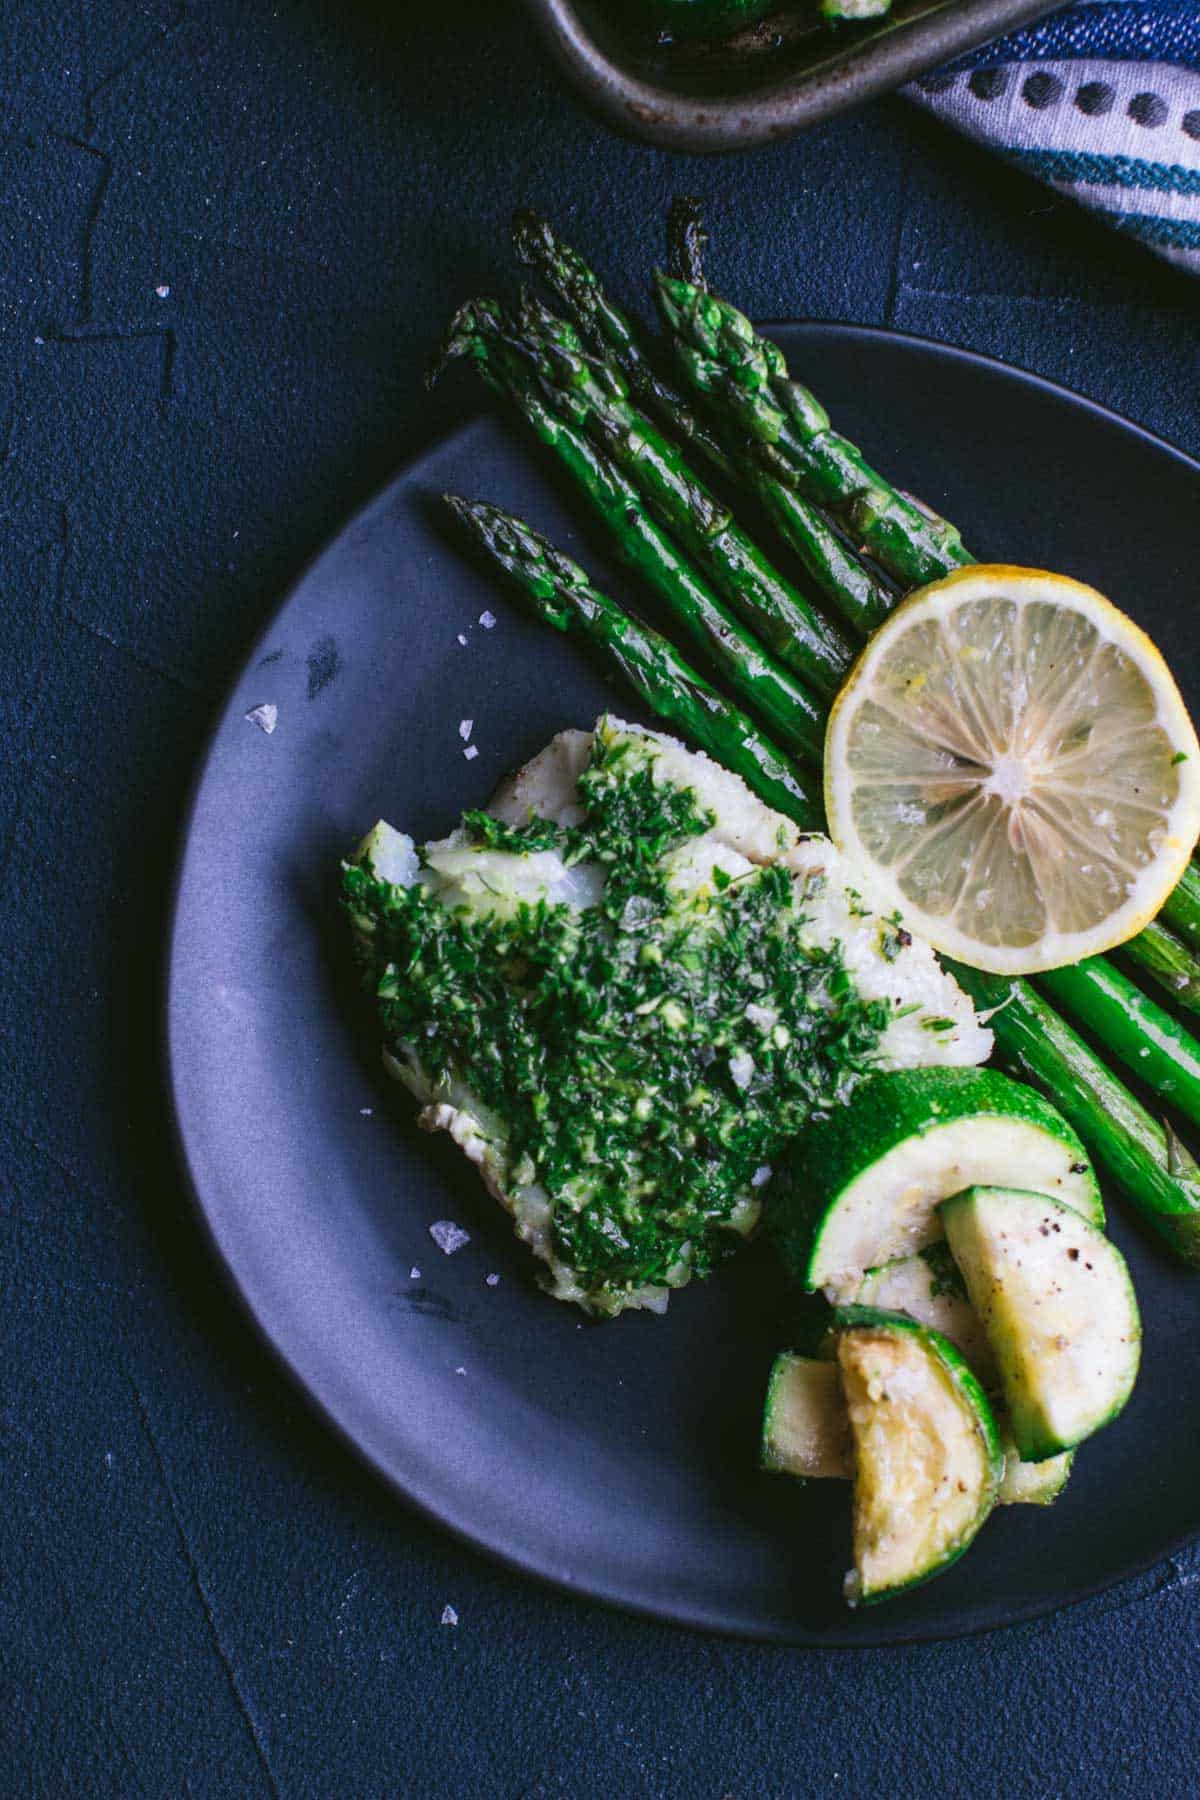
615	1043
893	938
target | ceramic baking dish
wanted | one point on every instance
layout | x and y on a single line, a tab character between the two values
773	80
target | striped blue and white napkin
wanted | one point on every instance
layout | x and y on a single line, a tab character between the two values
1101	100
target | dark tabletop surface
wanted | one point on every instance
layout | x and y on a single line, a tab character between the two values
229	231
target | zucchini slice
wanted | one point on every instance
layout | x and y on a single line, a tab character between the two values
1059	1310
927	1456
929	1288
861	1186
1032	1483
806	1430
806	1434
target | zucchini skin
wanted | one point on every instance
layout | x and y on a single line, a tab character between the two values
873	1318
823	1162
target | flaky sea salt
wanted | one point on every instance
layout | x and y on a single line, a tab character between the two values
465	727
765	1017
492	1280
449	1616
462	638
162	290
448	1236
471	752
365	1112
487	620
761	1176
414	1274
266	717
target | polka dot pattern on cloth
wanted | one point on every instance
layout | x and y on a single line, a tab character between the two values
1095	98
1041	90
1101	101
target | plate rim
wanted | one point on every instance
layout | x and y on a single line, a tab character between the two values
472	1534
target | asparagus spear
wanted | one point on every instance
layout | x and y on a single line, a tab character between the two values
1182	910
1132	1028
770	604
559	592
1167	960
596	394
1145	1159
791	713
857	594
604	326
726	360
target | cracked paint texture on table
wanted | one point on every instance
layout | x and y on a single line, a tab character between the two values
228	237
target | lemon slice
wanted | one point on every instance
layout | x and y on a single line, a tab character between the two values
1012	761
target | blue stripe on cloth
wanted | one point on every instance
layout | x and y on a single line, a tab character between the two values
1174	234
1126	31
1104	171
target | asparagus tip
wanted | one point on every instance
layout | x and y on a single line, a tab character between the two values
687	240
534	311
471	516
464	336
456	341
529	232
671	296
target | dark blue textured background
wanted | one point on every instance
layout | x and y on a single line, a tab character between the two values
203	1593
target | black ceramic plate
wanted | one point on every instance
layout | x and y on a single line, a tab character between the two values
617	1460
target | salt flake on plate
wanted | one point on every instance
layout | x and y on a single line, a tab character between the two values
266	717
448	1236
487	620
465	728
471	752
449	1616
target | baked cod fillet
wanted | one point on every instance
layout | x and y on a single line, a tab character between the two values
622	988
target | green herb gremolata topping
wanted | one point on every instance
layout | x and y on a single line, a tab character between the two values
615	1042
